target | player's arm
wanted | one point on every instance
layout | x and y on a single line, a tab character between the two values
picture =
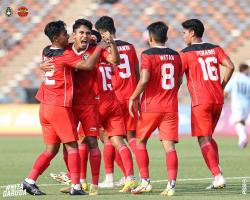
144	78
137	72
114	56
90	63
229	71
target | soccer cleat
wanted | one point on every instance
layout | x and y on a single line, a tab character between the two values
76	192
106	184
129	185
243	144
61	178
121	182
32	188
170	189
84	186
65	190
93	190
144	187
218	183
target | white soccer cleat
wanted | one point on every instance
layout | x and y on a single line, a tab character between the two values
121	182
218	183
144	187
243	143
106	184
169	190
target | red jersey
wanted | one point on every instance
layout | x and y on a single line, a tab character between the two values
201	62
124	79
86	82
164	66
57	88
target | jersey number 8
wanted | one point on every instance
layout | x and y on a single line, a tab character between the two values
167	76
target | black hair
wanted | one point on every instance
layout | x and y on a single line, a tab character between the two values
243	67
194	25
158	30
97	35
106	23
82	22
54	29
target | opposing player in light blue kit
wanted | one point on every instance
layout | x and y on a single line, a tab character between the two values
239	87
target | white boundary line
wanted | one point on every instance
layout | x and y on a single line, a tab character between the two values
156	181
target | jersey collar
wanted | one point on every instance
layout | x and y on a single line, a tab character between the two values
81	52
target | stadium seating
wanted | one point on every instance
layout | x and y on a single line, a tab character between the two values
227	25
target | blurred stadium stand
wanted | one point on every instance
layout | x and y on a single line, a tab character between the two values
227	23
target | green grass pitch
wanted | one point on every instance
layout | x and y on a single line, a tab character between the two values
17	155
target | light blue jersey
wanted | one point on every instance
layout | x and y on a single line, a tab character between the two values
239	87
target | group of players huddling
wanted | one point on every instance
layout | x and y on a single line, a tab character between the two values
96	82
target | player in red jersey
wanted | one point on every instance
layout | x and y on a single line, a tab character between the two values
160	72
123	83
200	63
55	95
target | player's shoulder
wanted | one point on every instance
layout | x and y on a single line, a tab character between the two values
121	43
52	52
199	47
160	51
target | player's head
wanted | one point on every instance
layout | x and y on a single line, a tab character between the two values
105	23
82	33
95	37
157	33
57	33
193	29
244	68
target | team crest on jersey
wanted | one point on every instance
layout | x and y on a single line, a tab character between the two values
8	12
85	56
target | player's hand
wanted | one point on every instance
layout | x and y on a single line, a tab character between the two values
103	45
47	65
132	107
106	36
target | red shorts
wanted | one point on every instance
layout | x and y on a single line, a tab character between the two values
130	122
166	122
204	119
89	118
111	118
57	124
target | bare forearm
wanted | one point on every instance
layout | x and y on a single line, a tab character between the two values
227	77
138	90
115	54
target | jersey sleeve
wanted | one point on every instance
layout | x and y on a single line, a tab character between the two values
221	55
145	62
136	61
183	63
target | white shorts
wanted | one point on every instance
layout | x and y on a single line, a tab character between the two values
240	113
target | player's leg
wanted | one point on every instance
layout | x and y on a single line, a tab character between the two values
108	158
169	136
147	123
241	131
203	121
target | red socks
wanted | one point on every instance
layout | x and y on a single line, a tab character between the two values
126	160
41	164
118	161
74	165
108	157
142	160
172	164
215	146
132	144
95	163
83	152
211	158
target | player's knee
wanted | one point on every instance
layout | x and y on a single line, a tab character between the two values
92	142
204	139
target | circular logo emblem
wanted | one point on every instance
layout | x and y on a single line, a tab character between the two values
8	12
22	11
85	56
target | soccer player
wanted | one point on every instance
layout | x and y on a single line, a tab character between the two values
123	83
200	63
55	96
160	72
239	88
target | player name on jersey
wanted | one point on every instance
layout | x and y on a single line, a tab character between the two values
123	48
167	57
205	52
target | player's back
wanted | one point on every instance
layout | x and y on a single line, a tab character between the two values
201	63
124	78
160	94
57	87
